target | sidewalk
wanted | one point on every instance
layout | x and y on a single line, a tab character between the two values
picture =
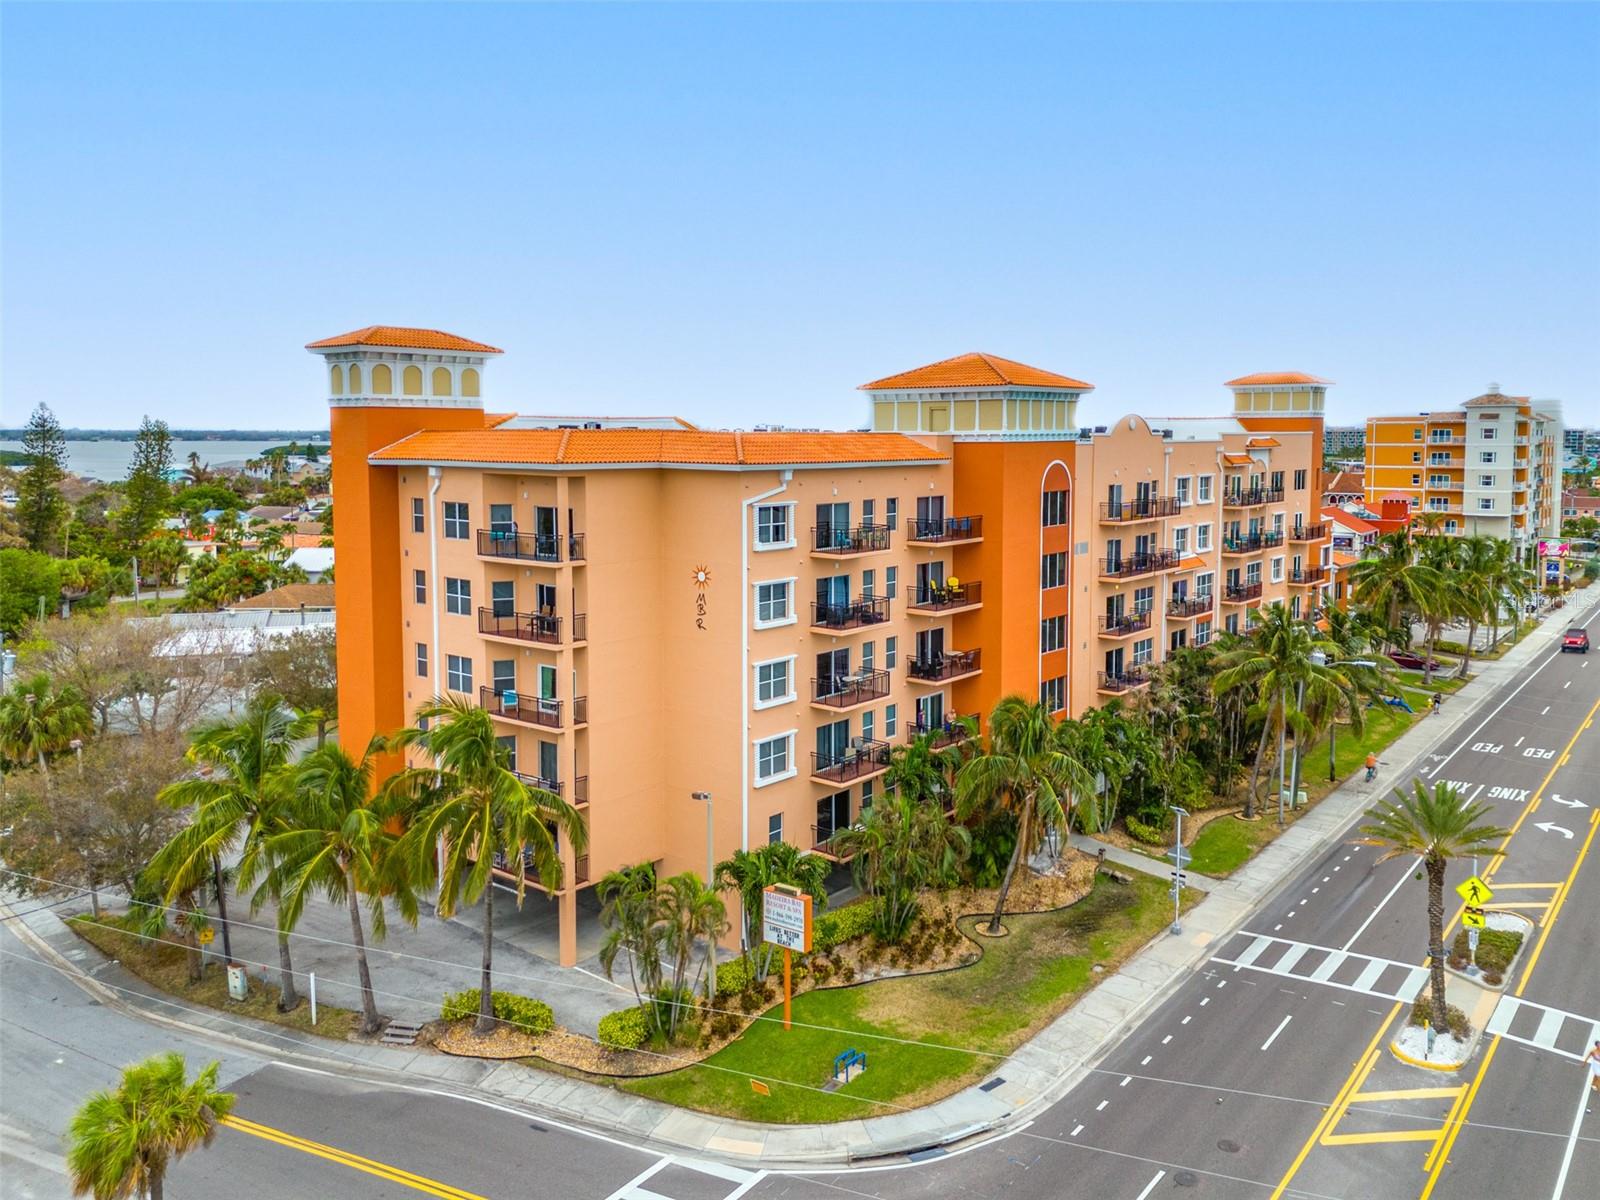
1030	1081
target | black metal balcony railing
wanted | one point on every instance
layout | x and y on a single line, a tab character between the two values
946	666
1140	508
937	597
1128	565
1250	497
1313	533
543	784
945	529
580	790
1249	543
514	706
1238	593
957	727
544	628
841	539
862	758
863	610
1122	624
845	691
1189	606
530	869
1124	681
529	547
1309	575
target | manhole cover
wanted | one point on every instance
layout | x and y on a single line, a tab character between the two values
1228	1147
1186	1179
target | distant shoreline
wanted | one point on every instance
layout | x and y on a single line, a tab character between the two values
319	436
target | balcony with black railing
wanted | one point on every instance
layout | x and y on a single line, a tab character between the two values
1309	575
941	668
510	705
1140	508
1127	680
1126	624
1189	606
1129	566
542	628
958	727
557	786
860	613
848	691
1251	497
823	835
841	541
863	759
1241	593
952	595
1251	543
944	531
1313	533
530	547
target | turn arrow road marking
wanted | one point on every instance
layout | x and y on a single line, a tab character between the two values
1551	827
1555	799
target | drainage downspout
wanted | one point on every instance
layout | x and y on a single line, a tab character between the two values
784	477
436	478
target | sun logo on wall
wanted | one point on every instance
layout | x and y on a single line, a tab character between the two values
701	577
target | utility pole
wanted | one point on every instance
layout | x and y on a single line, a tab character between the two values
1177	873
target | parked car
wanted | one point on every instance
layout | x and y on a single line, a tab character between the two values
1413	662
1576	640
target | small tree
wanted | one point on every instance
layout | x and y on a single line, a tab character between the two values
38	719
301	667
691	913
123	1142
146	493
40	509
751	872
1438	826
901	846
627	914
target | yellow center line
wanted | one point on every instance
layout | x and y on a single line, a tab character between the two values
345	1158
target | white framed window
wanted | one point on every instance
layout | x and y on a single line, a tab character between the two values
417	510
1203	584
1144	651
1277	569
458	596
891	652
869	582
1053	693
1488	433
1053	509
1202	537
1180	539
774	682
1300	479
1202	632
891	720
1053	570
1203	491
457	525
869	656
891	513
1485	504
458	673
1487	457
775	759
1182	488
774	526
422	659
1052	634
775	827
419	586
1486	481
775	603
891	581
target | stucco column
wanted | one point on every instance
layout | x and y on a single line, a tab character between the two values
567	908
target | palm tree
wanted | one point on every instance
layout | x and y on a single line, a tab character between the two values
197	472
926	769
901	845
242	799
1510	584
38	719
1025	773
340	843
1392	582
1449	597
1476	587
691	912
628	915
1437	825
1350	635
482	813
123	1141
751	872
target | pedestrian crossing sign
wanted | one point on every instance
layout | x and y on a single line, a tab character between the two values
1473	918
1474	891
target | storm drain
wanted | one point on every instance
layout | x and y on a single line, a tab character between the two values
992	1084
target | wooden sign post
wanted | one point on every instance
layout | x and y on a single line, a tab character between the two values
786	923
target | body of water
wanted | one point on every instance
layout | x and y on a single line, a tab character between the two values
109	460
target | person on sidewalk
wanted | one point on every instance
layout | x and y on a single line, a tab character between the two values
1372	766
1436	703
1592	1061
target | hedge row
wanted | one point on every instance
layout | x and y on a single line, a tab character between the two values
523	1012
625	1030
840	925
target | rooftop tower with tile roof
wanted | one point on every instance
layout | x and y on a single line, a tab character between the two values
975	393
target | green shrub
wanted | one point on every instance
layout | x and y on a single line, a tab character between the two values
733	977
625	1030
840	925
1455	1020
1150	835
521	1012
1496	949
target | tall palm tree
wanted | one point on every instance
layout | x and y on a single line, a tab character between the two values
927	770
902	845
197	472
1025	773
1392	582
751	872
244	797
1093	742
470	803
628	915
1351	636
38	719
691	913
1511	584
340	843
124	1141
1437	825
1450	595
1476	587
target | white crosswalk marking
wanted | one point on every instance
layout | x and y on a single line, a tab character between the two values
1568	1034
1381	977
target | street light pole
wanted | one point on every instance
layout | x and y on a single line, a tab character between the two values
705	798
1177	873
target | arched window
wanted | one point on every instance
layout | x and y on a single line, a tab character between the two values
469	382
382	379
337	377
411	381
355	379
441	381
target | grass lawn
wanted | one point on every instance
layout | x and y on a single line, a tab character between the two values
1227	843
165	965
1022	982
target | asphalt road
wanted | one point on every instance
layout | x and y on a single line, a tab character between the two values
1266	1074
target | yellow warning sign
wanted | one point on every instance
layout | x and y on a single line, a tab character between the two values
1473	918
1474	891
207	936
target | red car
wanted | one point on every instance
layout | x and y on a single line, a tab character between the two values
1576	640
1412	662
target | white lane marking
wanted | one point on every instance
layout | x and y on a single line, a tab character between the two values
1204	1000
1314	891
1101	1106
1572	1141
1474	795
1125	1080
1277	1031
1520	740
1076	1130
1166	1039
1290	913
709	1167
1185	1021
1336	868
1405	875
1340	1003
1222	983
1325	878
1151	1186
1546	709
746	1186
1146	1061
1253	951
1566	685
627	1189
1275	928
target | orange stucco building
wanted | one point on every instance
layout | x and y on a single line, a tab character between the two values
653	611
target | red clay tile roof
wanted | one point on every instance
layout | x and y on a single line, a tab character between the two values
976	371
1261	443
1349	520
292	595
403	338
1278	378
651	447
1495	399
1237	460
1345	482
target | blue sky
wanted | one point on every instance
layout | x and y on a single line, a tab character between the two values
739	213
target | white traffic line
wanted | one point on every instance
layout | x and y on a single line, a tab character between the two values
1076	1130
1405	875
1277	1031
1572	1141
1101	1106
1151	1186
627	1189
1404	978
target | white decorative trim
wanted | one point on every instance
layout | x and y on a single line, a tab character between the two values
365	401
755	669
755	759
794	609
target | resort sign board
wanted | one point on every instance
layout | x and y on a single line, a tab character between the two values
786	918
